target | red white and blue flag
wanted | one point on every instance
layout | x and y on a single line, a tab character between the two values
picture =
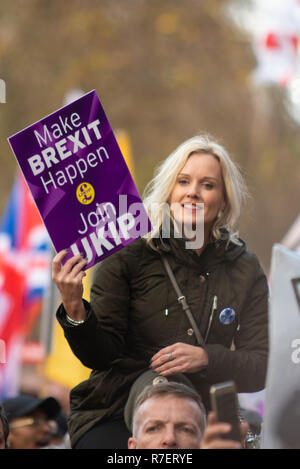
276	41
24	276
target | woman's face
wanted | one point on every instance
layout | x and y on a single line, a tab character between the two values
199	181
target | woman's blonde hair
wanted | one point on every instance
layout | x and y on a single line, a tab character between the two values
158	190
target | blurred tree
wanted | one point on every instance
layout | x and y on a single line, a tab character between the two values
164	71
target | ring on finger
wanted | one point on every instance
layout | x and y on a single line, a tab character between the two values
170	356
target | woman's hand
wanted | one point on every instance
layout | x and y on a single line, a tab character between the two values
68	279
179	358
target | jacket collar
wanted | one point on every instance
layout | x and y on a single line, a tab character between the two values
215	252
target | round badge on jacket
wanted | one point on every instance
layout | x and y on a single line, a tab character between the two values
227	316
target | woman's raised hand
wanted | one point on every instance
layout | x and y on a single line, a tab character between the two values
179	358
68	279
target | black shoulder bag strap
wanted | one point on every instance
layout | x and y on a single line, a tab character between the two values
182	300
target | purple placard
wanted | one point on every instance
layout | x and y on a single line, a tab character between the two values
80	182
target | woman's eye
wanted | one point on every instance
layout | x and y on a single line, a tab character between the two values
183	181
208	185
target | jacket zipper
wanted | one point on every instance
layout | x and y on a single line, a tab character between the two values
239	325
213	309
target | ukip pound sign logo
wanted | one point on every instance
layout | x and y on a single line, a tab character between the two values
85	193
2	91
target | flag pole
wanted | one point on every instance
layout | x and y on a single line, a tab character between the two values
50	303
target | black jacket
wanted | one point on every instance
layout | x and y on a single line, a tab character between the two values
134	312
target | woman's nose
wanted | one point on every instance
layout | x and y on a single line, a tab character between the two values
194	191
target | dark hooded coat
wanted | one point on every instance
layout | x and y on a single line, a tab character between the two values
134	312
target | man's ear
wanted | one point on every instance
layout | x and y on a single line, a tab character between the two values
10	440
132	443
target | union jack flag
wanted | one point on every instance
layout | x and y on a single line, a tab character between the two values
24	276
276	41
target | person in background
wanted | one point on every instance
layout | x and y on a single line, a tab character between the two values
135	317
4	429
171	416
60	437
30	421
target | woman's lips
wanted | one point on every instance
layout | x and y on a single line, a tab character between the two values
192	207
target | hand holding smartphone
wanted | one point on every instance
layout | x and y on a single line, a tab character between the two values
224	403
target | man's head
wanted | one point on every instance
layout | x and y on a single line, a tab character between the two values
30	421
167	416
4	429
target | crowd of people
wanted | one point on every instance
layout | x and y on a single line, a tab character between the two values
195	313
28	422
169	415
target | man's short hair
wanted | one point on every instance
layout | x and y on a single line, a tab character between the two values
169	388
4	421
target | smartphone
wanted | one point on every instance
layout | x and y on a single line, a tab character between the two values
224	403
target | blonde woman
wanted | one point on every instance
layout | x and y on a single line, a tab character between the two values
134	319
